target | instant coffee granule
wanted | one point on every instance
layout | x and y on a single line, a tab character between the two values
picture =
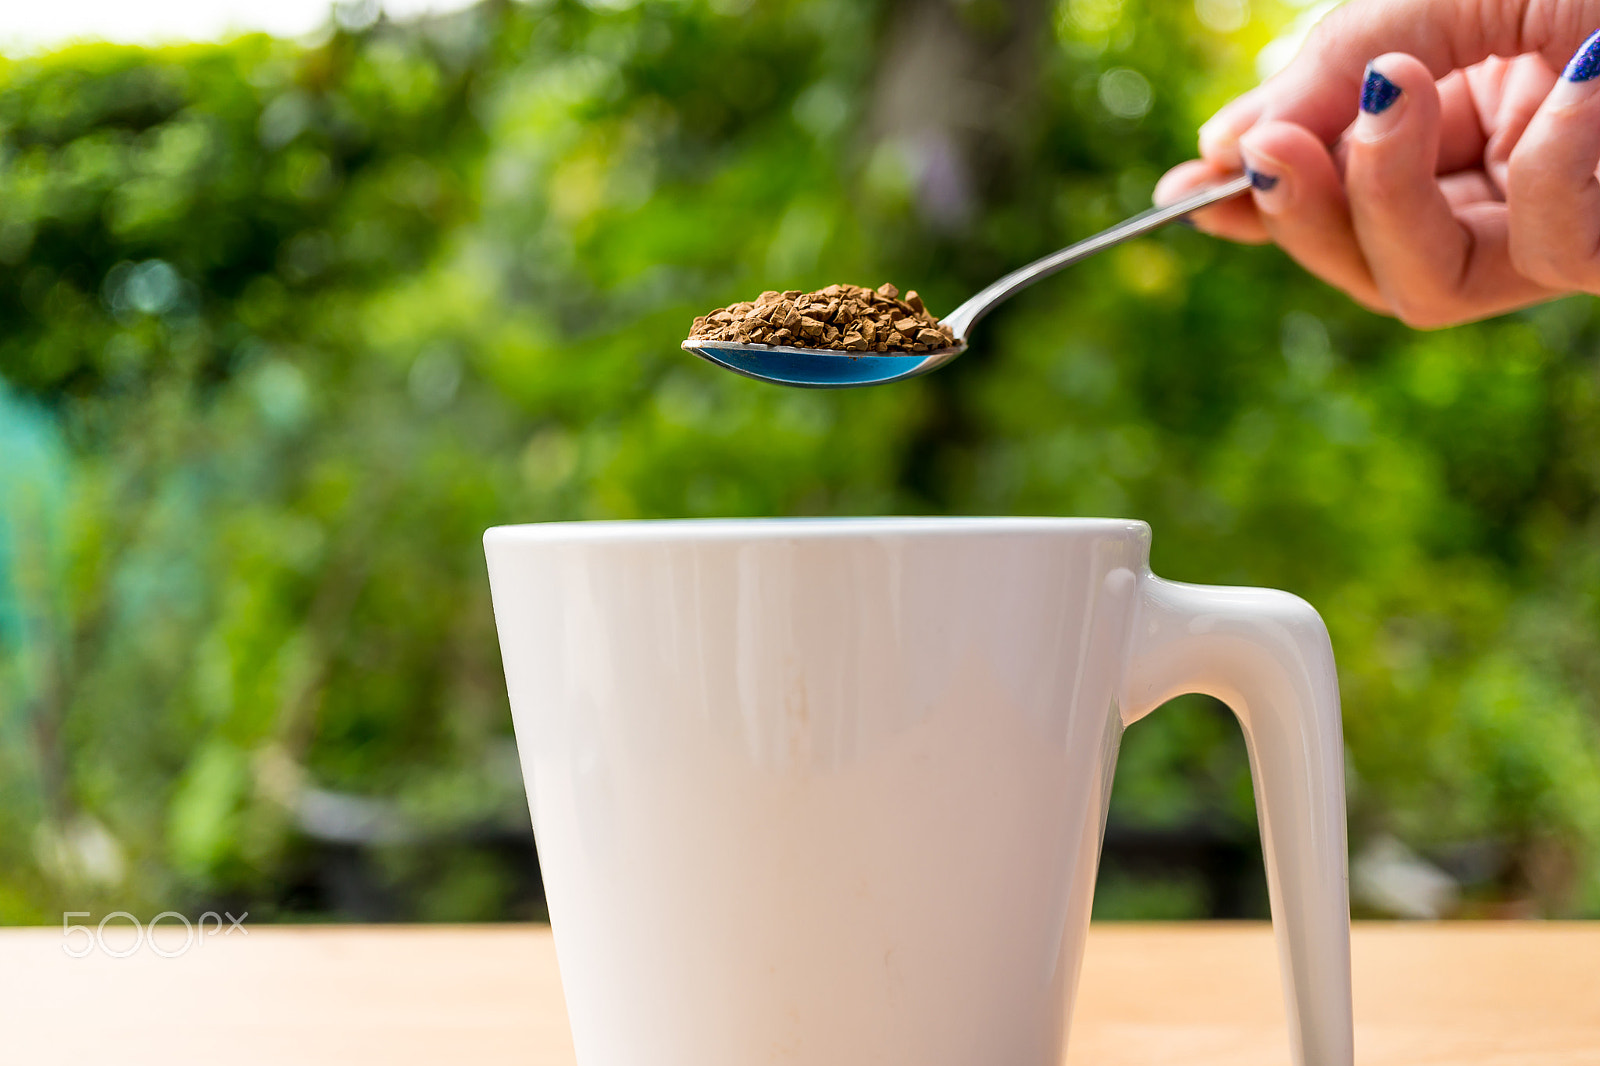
841	318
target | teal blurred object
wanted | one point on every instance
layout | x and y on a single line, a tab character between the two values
34	488
308	317
35	500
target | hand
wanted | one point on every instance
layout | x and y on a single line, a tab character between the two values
1464	189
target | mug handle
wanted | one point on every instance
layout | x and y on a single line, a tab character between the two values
1266	655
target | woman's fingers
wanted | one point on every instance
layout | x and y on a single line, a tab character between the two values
1302	206
1432	266
1406	213
1320	86
1235	219
1550	185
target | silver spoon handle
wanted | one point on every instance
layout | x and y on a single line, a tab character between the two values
962	318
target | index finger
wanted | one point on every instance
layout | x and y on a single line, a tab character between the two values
1235	219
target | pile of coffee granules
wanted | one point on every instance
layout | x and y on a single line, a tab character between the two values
840	317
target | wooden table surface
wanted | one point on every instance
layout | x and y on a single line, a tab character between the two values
1200	995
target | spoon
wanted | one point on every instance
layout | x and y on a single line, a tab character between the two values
823	368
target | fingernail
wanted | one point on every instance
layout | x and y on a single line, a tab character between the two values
1378	93
1585	64
1263	182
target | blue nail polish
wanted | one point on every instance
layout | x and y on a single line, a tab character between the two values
1585	63
1263	182
1377	92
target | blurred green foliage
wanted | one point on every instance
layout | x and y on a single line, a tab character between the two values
284	326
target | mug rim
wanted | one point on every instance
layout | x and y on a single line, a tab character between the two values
812	528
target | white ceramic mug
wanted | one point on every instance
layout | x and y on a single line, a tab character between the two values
832	792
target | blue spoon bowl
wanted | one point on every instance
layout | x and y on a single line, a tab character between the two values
816	368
